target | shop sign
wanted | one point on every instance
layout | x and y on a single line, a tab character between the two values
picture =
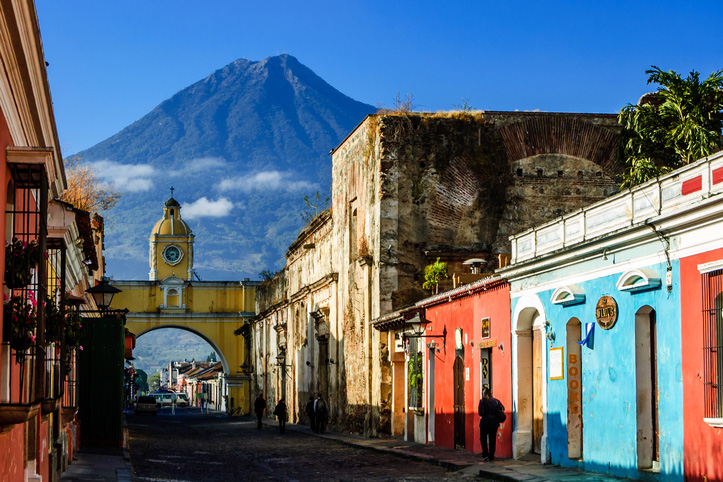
485	327
573	384
606	312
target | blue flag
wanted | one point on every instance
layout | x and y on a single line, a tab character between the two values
589	330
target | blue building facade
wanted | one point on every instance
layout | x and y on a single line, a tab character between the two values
597	340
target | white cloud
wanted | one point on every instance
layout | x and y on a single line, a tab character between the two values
199	165
267	181
203	207
125	177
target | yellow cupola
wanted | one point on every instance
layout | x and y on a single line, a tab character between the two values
171	245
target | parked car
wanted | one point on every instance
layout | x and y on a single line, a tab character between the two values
165	399
182	400
147	404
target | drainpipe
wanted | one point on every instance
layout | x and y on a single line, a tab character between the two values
666	248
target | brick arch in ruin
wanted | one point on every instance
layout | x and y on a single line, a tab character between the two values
575	136
558	163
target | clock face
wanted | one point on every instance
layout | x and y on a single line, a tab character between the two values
172	254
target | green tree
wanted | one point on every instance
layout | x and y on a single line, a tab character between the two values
142	381
267	274
678	124
154	381
432	275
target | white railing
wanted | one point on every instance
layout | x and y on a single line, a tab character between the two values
674	191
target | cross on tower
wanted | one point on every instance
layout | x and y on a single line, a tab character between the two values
172	191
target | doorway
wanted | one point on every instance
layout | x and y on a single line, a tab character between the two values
537	382
485	371
574	389
528	390
646	386
459	410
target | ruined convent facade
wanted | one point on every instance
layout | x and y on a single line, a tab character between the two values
408	188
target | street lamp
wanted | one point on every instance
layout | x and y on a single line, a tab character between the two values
415	324
103	294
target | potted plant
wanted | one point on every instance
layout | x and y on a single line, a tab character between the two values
54	322
433	274
72	329
20	319
21	258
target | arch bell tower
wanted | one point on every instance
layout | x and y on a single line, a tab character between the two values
171	245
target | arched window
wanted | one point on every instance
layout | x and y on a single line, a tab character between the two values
638	280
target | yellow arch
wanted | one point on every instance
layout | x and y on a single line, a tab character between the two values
211	310
139	332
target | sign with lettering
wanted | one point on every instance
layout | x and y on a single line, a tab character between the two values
485	372
606	312
573	385
485	327
556	365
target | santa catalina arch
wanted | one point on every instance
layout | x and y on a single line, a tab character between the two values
171	298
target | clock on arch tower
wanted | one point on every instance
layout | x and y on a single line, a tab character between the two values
171	245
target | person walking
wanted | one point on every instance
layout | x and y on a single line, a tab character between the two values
310	413
321	412
259	407
492	412
280	412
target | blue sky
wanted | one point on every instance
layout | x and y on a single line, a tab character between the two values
112	62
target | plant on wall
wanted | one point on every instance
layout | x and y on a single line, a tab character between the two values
21	258
433	274
416	380
22	316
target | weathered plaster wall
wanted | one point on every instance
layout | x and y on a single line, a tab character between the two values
407	188
297	317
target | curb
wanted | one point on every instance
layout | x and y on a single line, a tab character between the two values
125	474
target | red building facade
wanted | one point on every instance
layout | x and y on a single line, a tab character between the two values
701	281
475	353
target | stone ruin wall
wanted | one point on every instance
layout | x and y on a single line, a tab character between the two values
466	182
443	183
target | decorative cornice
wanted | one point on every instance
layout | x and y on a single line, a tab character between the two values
315	286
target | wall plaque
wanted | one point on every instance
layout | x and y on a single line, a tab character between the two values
606	312
485	327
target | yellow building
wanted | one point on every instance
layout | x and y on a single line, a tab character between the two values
173	299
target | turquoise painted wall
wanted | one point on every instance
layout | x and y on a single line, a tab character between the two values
608	378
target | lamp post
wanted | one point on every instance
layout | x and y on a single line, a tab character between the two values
415	324
103	294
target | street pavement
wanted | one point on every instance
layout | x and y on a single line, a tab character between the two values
191	446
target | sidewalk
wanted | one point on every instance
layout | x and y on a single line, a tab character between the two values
527	469
99	465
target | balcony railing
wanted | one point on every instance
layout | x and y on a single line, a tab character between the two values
673	192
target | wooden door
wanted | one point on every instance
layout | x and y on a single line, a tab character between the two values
537	380
654	384
459	411
574	390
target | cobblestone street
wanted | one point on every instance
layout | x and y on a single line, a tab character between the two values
198	447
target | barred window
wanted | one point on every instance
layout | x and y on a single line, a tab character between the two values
713	343
415	366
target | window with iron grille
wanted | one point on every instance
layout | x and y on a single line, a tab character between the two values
713	342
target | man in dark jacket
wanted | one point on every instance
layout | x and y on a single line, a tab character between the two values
490	409
321	411
310	413
259	407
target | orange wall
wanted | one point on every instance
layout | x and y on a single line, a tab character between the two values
702	444
12	443
467	313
